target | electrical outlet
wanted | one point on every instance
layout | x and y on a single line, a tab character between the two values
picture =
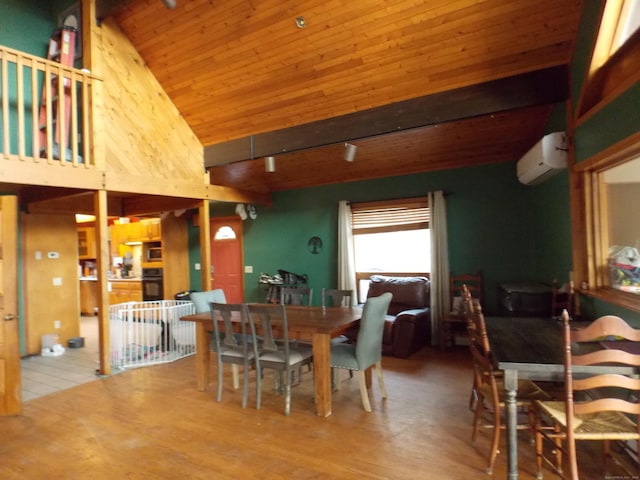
56	324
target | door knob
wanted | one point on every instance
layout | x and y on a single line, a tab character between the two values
8	317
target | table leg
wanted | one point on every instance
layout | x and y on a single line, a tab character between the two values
511	390
322	371
203	348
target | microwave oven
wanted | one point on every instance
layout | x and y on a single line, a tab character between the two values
154	254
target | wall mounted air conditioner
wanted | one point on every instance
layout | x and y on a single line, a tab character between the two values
545	159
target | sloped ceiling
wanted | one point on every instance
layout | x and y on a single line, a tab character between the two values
416	85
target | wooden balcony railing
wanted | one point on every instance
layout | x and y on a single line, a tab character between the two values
29	112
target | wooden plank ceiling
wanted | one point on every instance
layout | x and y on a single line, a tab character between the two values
251	83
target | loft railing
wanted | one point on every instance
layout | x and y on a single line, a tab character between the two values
30	114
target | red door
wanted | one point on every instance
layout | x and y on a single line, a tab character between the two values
226	258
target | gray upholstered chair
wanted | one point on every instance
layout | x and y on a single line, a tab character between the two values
333	297
281	356
202	303
367	351
201	300
296	295
235	349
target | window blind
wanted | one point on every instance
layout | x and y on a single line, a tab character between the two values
390	215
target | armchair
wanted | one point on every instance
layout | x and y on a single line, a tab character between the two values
407	323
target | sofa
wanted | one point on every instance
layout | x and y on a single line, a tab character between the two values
408	320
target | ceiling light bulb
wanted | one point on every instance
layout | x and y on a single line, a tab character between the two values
300	22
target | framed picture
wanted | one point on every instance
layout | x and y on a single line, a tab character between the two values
72	16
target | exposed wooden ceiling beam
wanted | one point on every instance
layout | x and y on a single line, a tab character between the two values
541	87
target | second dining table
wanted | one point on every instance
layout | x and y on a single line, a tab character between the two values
315	324
531	348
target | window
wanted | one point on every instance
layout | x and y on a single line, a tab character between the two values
612	253
619	189
615	63
627	23
390	238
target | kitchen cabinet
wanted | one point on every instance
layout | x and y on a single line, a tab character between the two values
150	230
86	243
122	291
126	233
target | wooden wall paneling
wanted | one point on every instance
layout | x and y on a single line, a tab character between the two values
260	73
175	251
51	278
148	138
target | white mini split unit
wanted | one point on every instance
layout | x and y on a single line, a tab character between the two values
545	159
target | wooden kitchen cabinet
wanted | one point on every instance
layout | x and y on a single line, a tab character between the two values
150	230
123	291
86	243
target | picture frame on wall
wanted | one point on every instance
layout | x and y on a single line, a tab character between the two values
72	16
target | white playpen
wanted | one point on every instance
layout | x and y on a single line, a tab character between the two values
150	333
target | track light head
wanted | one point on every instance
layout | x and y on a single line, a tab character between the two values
270	164
350	152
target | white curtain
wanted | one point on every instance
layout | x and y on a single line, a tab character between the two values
346	255
440	297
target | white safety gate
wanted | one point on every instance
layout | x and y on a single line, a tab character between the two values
149	333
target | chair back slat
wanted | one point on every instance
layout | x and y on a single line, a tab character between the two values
224	312
268	315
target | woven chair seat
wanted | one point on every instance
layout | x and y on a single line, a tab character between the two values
595	426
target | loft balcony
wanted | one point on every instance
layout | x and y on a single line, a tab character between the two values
46	125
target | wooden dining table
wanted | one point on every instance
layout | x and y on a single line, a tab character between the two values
531	348
317	325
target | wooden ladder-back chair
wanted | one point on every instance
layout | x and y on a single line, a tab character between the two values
599	405
455	321
489	407
562	298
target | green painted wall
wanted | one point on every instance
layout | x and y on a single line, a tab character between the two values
495	224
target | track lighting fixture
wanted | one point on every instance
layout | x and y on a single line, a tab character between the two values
169	3
350	152
270	164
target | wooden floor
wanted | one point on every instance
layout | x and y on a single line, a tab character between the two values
151	423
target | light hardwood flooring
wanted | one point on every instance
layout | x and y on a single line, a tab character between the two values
152	423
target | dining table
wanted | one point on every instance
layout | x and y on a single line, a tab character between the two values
532	348
317	325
